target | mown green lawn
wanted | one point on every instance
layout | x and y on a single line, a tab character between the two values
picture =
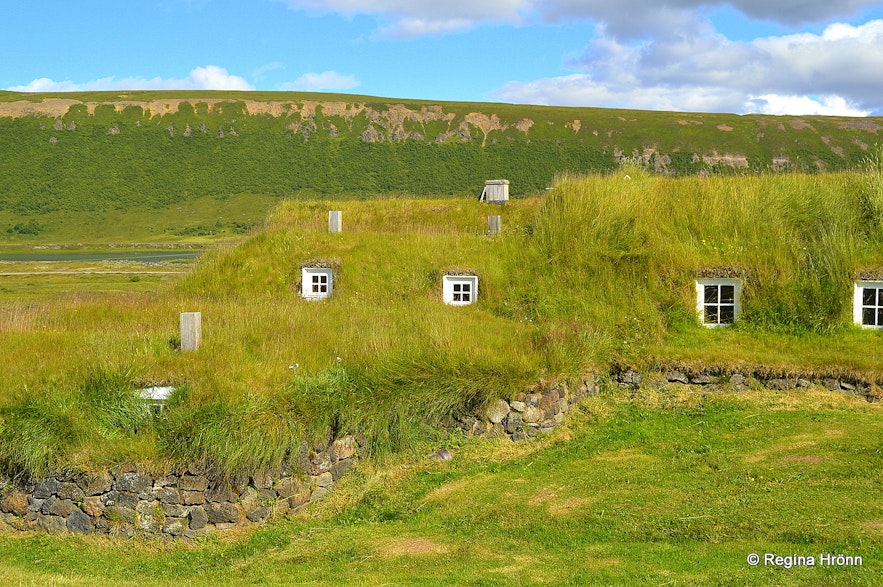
655	487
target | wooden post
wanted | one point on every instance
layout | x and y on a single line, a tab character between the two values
191	330
493	225
335	222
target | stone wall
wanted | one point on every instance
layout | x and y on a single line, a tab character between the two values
539	411
530	413
189	503
715	380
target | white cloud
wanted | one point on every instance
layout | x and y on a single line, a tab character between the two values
210	77
834	72
217	78
797	11
319	82
45	84
666	54
420	27
803	105
622	19
411	18
583	90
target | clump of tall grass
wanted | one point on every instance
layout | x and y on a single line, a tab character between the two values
48	430
254	433
391	401
393	405
870	193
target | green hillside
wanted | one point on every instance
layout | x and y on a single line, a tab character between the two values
101	152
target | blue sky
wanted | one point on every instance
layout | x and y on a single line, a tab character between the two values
766	56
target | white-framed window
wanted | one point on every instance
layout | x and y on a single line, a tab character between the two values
155	398
459	290
317	283
717	301
867	304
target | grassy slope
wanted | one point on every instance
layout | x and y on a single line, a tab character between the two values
659	488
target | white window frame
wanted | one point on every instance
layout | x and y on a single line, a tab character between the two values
859	306
316	278
156	397
718	282
452	292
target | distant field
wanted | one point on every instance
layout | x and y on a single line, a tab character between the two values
193	223
28	281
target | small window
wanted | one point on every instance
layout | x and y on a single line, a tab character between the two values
868	304
463	292
316	283
717	301
155	398
459	290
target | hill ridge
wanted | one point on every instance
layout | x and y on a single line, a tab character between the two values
93	150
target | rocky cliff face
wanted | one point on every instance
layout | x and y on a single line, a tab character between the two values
709	135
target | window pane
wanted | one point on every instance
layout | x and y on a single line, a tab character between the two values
467	287
727	314
457	297
728	294
879	317
880	297
315	288
458	287
868	316
323	279
467	297
711	315
711	294
869	296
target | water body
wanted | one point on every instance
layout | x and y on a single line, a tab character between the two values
136	256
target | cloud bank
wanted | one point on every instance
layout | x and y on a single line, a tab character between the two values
320	82
210	77
623	19
667	55
830	73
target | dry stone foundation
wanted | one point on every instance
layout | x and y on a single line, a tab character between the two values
529	413
189	503
539	411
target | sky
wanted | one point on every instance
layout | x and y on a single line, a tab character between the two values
795	57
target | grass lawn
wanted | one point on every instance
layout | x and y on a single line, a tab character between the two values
661	487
